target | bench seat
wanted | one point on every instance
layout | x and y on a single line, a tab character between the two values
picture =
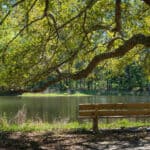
95	111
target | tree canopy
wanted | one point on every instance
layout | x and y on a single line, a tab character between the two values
51	40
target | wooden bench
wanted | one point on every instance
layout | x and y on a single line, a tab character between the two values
94	111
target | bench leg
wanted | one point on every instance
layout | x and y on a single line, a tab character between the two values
95	124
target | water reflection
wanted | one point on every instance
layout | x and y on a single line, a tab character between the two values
56	108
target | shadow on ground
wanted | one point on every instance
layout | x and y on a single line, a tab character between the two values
131	138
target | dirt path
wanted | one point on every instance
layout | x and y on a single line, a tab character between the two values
138	139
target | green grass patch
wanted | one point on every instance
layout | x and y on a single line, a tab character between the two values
52	94
124	123
36	126
63	126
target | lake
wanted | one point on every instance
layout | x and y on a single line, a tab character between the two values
57	108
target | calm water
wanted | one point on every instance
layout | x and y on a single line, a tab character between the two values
56	108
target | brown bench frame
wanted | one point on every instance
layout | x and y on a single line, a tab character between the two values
94	111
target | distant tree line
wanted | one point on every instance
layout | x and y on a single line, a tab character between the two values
132	79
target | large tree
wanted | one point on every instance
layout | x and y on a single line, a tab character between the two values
51	40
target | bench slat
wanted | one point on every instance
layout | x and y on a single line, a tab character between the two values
115	106
115	113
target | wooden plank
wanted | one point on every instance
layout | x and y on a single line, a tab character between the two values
115	106
116	113
115	117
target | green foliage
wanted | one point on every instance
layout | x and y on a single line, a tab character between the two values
33	45
133	77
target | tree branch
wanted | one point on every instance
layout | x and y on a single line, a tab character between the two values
118	16
46	7
89	5
8	13
17	3
119	52
20	31
147	2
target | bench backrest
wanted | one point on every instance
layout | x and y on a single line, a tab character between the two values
119	109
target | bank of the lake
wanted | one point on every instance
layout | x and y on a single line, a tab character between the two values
86	93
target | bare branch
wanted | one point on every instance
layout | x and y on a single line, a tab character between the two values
46	7
55	23
147	2
27	13
32	5
5	17
118	17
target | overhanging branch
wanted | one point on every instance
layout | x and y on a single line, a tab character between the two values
119	52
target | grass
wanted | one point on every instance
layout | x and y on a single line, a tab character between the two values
63	126
52	94
125	123
20	123
42	126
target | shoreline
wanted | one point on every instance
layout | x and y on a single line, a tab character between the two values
77	94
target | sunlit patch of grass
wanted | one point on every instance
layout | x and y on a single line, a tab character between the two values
124	123
52	94
43	126
70	126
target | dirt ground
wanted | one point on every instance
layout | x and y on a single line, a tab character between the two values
117	139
